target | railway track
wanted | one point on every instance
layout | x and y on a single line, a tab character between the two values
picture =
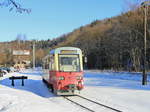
97	106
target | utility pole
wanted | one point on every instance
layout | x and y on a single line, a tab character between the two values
33	54
144	79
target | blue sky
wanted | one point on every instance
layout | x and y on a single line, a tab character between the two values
52	18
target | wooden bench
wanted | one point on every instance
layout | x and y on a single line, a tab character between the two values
17	77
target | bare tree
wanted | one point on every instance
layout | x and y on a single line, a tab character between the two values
131	5
14	5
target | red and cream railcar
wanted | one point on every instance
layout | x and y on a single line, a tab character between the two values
63	70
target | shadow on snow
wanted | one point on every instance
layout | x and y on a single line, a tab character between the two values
34	86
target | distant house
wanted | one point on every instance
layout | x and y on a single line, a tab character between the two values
21	58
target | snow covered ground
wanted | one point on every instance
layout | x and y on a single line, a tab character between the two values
121	90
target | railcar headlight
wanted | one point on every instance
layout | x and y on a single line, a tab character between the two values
79	77
61	78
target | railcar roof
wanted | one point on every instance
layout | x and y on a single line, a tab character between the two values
57	50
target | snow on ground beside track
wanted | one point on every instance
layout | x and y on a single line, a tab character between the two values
116	79
117	90
121	90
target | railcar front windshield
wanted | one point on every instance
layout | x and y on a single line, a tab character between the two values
69	63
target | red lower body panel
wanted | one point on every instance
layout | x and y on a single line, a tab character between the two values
66	81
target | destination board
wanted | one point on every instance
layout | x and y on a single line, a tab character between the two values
68	51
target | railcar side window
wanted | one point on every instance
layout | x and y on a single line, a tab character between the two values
52	64
69	63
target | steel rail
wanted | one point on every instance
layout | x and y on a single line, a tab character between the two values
66	97
100	104
79	104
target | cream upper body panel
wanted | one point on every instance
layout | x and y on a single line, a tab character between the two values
66	51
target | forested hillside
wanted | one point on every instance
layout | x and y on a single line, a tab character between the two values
114	43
